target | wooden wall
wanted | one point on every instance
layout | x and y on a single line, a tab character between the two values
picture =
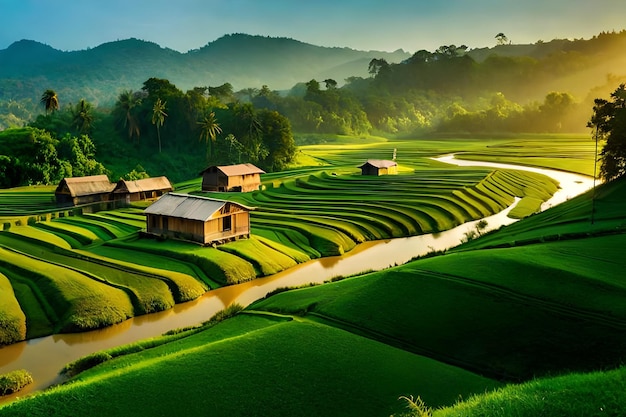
200	232
217	181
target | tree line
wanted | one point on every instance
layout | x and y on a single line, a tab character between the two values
158	126
155	130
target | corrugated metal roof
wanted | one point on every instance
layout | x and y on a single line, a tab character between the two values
93	184
239	169
186	206
379	163
146	184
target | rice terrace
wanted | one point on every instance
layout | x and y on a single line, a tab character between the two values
441	235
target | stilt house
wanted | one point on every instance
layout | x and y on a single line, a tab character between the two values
241	178
144	189
84	190
379	167
199	219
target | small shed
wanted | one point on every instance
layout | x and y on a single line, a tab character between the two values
84	190
379	167
143	189
199	219
241	178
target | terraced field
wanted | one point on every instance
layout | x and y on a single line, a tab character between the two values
300	214
443	328
566	153
27	201
541	297
336	212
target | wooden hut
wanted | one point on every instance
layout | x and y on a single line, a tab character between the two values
199	219
379	167
144	189
84	190
241	178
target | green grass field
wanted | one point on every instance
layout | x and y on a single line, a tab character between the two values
291	367
508	313
539	298
307	212
303	213
34	199
590	394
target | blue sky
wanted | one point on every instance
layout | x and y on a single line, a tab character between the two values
360	24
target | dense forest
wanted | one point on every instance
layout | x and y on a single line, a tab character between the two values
159	128
155	130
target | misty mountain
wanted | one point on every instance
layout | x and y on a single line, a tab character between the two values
27	68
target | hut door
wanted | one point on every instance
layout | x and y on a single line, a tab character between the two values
227	223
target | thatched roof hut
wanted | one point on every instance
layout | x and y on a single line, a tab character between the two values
241	177
143	189
83	190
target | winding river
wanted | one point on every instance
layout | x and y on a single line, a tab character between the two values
44	357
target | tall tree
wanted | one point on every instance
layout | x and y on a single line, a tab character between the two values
82	117
278	148
158	117
554	109
609	123
501	38
330	84
125	107
223	92
50	101
233	144
209	129
377	65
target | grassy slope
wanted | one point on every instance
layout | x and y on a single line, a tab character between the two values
78	301
479	321
505	312
585	395
12	318
258	365
220	267
373	331
566	221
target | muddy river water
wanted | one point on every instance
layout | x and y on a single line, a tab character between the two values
44	357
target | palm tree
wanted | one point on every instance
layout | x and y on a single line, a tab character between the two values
209	130
158	117
251	134
126	102
233	143
83	116
50	101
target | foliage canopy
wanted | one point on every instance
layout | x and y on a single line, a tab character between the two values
609	123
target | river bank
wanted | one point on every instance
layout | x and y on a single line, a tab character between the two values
44	357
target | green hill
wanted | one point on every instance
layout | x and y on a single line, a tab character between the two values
100	73
590	394
437	328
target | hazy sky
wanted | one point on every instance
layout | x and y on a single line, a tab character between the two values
360	24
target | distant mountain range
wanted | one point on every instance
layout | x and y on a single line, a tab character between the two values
27	68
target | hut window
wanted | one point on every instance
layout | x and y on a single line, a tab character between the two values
227	223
